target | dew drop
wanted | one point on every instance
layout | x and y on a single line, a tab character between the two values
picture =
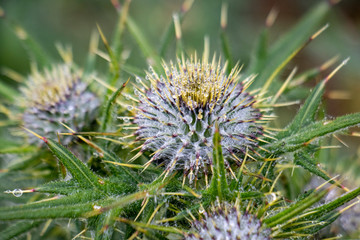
96	207
130	108
201	210
17	192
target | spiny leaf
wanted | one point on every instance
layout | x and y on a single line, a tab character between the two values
79	197
17	229
307	112
218	185
74	210
108	156
328	207
295	209
150	226
313	131
104	224
83	175
59	187
304	160
325	220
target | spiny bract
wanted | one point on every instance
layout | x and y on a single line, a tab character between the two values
178	112
228	224
58	95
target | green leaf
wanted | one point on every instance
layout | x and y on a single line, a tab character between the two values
328	207
288	45
71	206
313	131
65	211
108	156
82	196
218	186
104	224
326	220
307	112
59	187
17	229
109	106
302	159
83	175
295	209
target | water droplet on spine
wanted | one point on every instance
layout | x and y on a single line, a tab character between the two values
17	192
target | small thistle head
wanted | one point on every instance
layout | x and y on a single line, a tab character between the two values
178	112
58	95
228	223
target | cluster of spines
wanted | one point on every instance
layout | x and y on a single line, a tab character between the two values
228	223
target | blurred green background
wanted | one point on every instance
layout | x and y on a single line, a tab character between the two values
71	22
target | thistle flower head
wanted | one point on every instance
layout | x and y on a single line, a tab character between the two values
57	95
227	224
178	112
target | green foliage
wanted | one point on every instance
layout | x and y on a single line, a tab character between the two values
109	186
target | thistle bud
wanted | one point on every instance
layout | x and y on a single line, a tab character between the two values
58	95
177	115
